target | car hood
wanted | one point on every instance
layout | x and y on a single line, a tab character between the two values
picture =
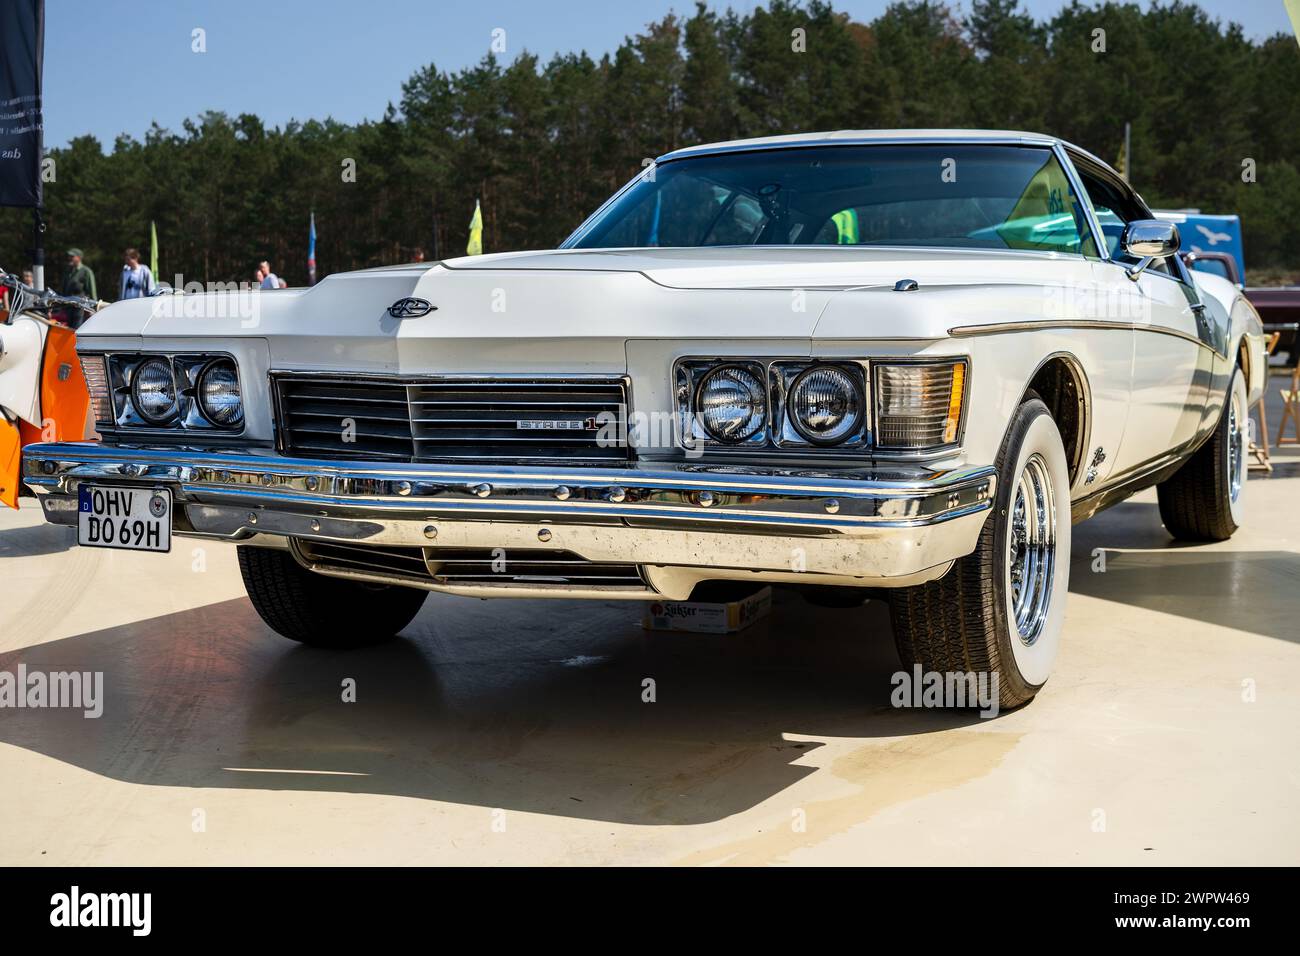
577	310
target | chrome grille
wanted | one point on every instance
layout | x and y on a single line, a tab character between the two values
468	566
535	420
520	420
527	568
325	419
387	562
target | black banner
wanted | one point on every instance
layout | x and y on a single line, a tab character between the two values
936	909
22	52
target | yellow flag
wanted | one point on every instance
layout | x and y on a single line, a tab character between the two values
475	246
1293	11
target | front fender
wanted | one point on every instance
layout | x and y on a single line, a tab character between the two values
1247	340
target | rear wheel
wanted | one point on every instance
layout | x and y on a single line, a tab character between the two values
999	611
1202	500
322	611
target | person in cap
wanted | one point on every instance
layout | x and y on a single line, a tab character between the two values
78	280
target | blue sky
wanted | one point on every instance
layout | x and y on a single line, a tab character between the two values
113	66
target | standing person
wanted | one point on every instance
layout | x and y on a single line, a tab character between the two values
417	254
5	303
137	280
269	279
80	280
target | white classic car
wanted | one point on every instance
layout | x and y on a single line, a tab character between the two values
902	362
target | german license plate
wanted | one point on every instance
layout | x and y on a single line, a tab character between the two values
130	519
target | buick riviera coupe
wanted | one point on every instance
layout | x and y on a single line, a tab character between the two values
902	362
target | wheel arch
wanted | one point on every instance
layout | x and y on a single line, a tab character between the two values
1062	384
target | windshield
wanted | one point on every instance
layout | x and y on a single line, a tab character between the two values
983	197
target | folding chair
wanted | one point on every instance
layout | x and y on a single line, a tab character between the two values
1290	411
1259	449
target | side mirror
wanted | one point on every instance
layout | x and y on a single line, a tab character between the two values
1148	240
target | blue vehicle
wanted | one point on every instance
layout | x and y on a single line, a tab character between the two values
1203	233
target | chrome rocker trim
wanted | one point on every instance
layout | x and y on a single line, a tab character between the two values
681	522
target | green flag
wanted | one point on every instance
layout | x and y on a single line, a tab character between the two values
153	249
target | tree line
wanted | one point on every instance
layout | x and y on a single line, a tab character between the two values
1215	125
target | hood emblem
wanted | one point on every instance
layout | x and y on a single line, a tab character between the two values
411	308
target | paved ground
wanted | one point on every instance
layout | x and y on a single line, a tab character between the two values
514	732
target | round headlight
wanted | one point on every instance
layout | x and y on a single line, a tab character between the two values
153	391
731	403
825	404
218	394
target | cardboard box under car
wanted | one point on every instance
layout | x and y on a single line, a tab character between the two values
720	611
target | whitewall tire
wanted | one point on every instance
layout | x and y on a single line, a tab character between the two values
1001	609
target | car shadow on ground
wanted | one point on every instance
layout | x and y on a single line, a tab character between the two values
540	706
35	540
536	706
1125	555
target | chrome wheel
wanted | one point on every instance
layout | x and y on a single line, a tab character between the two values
1031	548
1236	451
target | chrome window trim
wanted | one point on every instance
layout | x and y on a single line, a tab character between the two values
749	146
1076	182
1055	146
1118	182
586	224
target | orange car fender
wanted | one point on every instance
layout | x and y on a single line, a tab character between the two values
11	446
65	397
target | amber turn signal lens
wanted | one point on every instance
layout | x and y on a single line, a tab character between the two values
101	400
919	404
954	403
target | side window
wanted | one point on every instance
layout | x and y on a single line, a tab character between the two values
1027	204
1116	209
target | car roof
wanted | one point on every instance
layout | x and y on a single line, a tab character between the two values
850	137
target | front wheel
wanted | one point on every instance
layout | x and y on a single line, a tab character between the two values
997	614
1202	500
323	611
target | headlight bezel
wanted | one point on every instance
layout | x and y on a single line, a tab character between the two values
859	443
168	373
759	420
689	375
786	376
186	367
219	364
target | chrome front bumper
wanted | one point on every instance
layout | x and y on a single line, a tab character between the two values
682	523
